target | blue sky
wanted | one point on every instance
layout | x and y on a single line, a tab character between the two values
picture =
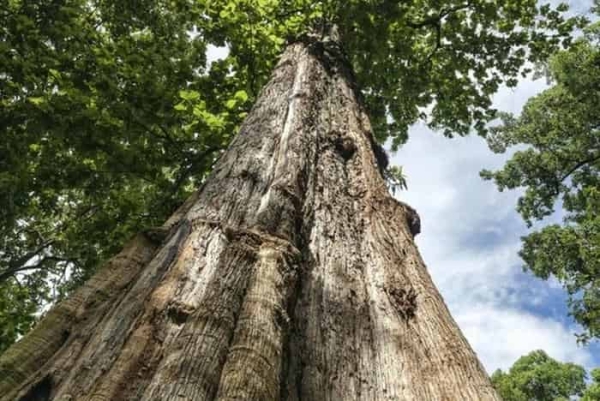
470	239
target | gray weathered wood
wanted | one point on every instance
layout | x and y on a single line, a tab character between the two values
291	275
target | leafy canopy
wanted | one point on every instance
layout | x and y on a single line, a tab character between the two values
110	117
112	114
560	164
537	377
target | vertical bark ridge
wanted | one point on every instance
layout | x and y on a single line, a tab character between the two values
98	360
254	361
291	276
193	357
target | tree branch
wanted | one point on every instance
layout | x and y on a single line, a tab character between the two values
436	20
579	165
557	181
10	272
29	255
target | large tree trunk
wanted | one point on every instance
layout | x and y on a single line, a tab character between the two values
291	275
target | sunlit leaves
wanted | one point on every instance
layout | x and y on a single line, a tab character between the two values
395	179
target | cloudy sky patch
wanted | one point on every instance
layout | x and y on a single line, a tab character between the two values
470	239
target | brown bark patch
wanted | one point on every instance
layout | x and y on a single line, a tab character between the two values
404	301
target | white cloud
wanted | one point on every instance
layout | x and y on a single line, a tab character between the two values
513	99
214	53
470	239
500	336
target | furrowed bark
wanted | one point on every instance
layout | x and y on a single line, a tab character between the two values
291	275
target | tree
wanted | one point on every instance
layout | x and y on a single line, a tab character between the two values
292	273
592	393
97	141
537	377
560	164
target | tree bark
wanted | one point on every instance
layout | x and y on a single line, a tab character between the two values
291	275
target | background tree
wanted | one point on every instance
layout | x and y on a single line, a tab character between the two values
537	377
560	166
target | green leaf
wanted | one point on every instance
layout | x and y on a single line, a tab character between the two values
189	94
198	111
241	95
536	376
36	100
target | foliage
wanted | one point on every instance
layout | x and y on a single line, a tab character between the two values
17	312
450	56
110	117
592	393
111	113
395	178
560	162
537	377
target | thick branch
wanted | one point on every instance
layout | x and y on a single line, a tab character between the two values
436	20
556	181
577	166
29	255
11	271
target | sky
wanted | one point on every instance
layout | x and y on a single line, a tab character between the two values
469	240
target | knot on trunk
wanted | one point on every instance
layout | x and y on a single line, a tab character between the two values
179	312
345	147
413	220
156	235
404	300
410	215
